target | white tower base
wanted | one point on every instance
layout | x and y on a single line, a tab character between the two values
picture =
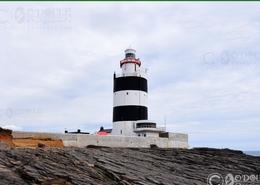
123	128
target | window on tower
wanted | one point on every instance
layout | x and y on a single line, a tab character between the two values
130	55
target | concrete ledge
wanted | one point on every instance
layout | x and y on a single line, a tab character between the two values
175	140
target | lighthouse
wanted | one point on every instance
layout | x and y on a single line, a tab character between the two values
130	99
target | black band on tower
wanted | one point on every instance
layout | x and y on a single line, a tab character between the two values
130	83
130	113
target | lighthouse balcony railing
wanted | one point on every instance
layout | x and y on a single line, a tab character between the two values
140	73
157	129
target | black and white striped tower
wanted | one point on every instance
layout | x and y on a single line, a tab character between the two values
130	95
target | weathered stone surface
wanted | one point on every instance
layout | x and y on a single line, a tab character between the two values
4	146
112	166
6	137
26	142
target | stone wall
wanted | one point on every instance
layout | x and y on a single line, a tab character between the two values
175	140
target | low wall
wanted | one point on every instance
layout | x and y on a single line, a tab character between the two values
82	140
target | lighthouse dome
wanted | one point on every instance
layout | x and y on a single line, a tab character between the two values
130	52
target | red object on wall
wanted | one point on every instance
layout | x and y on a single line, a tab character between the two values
102	133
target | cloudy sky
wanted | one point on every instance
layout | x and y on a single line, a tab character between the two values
203	60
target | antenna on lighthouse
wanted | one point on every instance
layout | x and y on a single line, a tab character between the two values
165	121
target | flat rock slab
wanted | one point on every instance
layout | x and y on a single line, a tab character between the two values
122	166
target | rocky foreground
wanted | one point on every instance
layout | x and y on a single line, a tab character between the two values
112	166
